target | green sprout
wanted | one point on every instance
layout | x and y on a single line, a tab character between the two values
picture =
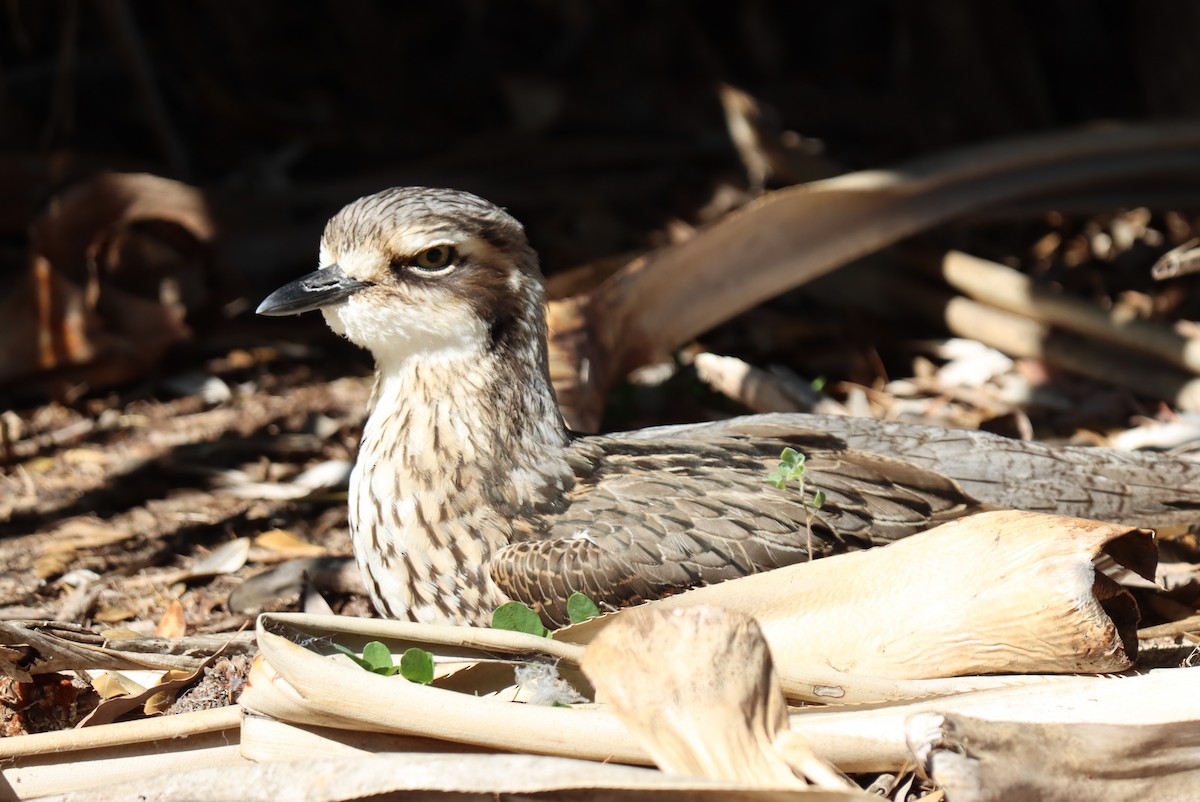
416	665
791	469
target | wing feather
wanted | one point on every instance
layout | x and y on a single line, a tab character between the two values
648	518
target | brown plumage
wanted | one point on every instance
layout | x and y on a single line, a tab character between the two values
468	490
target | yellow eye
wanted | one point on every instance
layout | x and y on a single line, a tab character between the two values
435	258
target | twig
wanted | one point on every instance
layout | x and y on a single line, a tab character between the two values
42	647
1178	261
761	390
1008	289
1171	629
150	730
1020	336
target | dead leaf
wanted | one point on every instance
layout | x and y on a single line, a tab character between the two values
152	700
112	684
281	540
36	465
119	633
977	760
172	683
97	220
173	624
110	615
1023	587
72	536
116	265
699	690
53	563
224	560
793	235
84	456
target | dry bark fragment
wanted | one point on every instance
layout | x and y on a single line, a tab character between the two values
984	761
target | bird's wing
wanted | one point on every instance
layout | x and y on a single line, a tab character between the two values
1128	487
651	517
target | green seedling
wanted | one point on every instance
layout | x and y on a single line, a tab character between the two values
791	469
416	665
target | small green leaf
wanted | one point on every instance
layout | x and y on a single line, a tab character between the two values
791	462
790	458
352	655
517	617
818	500
416	665
580	608
377	656
378	659
791	468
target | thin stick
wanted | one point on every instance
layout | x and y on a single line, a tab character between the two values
1177	261
1019	336
1013	291
124	733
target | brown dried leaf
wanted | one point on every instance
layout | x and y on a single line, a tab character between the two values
281	540
226	559
117	263
112	684
698	688
110	615
53	563
787	237
173	624
93	226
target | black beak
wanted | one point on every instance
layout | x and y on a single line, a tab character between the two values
323	288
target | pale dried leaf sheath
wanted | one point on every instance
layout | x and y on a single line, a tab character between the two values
698	688
51	764
998	592
859	739
292	683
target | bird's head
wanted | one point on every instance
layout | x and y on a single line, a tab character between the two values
413	271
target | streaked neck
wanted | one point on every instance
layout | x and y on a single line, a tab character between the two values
459	452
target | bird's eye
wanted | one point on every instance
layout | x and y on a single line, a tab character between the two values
439	257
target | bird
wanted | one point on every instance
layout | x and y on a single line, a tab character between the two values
469	491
